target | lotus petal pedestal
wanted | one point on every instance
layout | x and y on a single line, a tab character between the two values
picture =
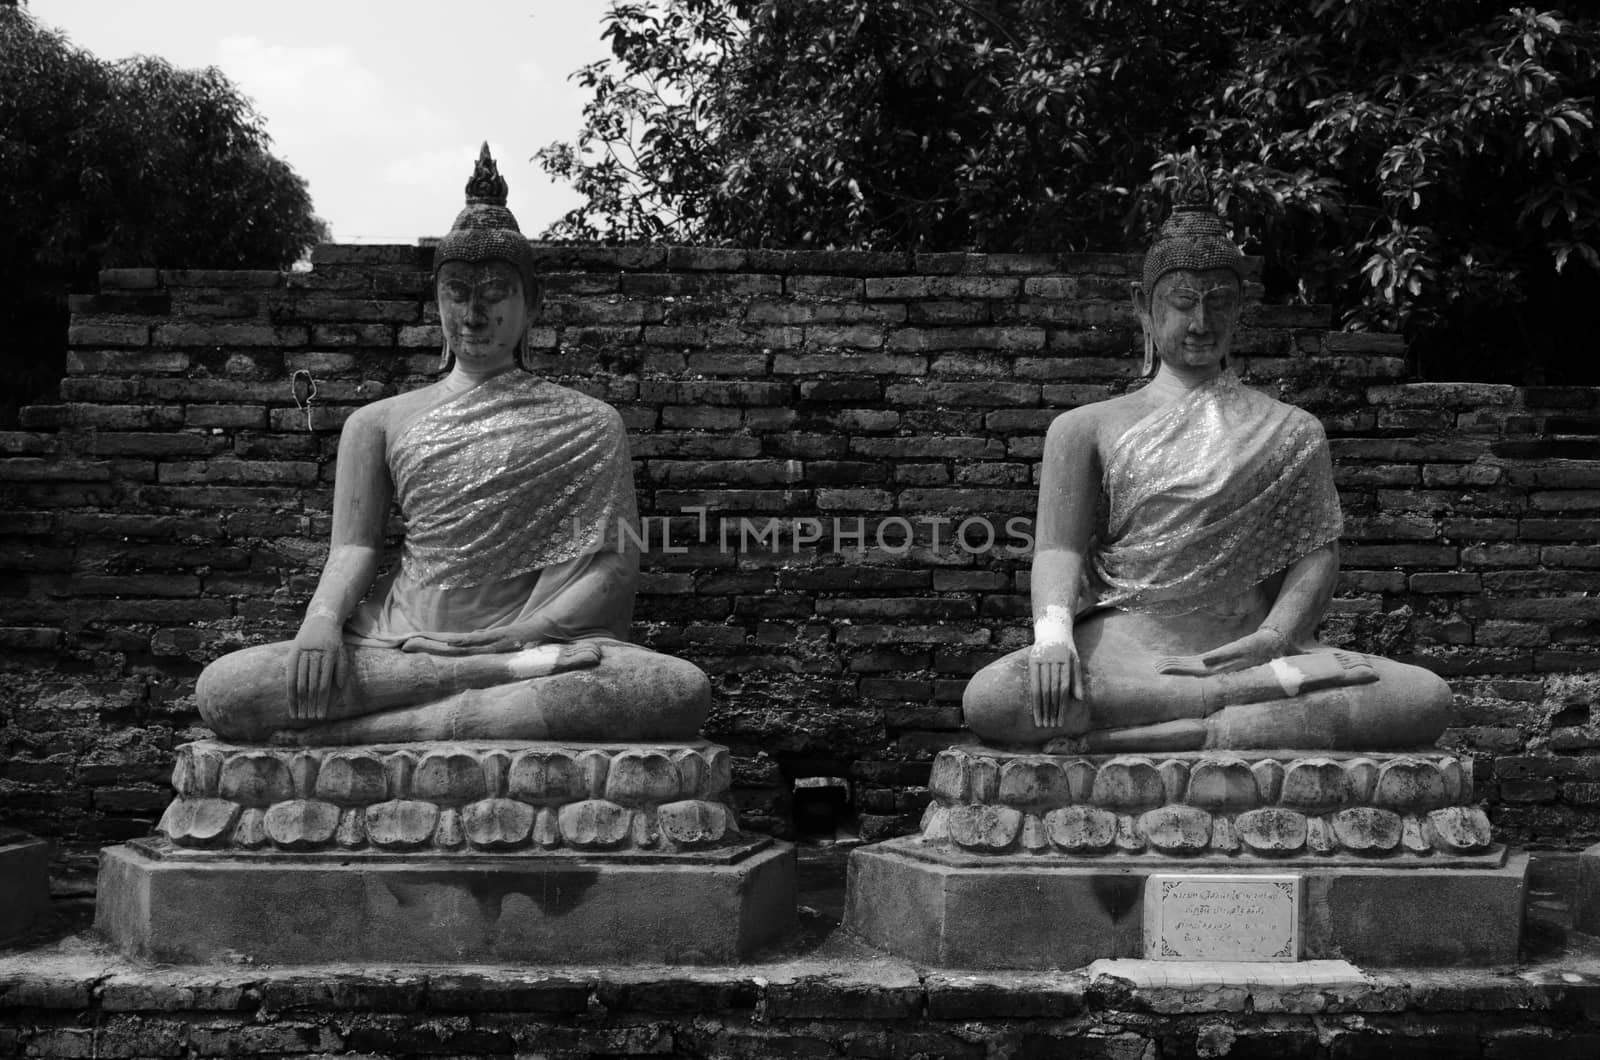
1040	861
513	851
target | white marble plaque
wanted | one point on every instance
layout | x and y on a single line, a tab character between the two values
1222	917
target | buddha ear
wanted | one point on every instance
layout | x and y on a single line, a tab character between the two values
521	353
1141	309
1141	301
535	303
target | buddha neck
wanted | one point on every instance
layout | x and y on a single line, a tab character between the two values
1171	383
462	378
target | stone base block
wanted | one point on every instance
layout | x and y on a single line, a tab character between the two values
164	903
917	902
24	884
1586	902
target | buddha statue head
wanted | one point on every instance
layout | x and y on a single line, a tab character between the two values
1193	283
485	278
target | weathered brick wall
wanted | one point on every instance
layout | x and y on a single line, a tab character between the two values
175	505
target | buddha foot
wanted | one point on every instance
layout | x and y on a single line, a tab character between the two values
549	659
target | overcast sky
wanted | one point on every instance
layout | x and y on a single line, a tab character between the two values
379	104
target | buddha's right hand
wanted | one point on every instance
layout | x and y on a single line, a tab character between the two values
1055	676
318	661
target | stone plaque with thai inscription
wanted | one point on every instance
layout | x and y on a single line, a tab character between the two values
1222	917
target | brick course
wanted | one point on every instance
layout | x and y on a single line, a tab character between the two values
838	417
99	1006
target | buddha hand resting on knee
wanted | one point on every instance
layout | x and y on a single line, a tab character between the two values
507	616
1186	547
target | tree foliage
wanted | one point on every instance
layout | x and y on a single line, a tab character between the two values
1423	167
135	163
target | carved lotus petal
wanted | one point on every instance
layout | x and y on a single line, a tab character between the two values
1222	784
642	778
1269	780
645	833
1362	774
198	822
547	828
1272	830
302	824
990	829
497	824
398	767
718	775
1175	778
1081	829
250	831
546	777
1410	785
1315	785
1411	835
1080	777
594	824
1453	773
693	822
1129	783
594	766
1129	838
352	778
936	824
1366	830
1034	782
496	766
1458	830
184	781
303	773
255	778
196	770
1319	836
691	769
352	830
983	774
1224	837
1035	836
449	776
401	823
948	779
449	834
1177	829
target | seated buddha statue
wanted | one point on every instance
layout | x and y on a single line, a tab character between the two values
1187	544
508	613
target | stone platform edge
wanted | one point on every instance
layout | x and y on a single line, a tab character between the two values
286	909
1012	913
55	1004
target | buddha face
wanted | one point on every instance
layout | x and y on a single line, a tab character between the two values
1191	315
483	313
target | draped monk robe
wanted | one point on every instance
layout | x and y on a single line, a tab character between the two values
1208	496
515	495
